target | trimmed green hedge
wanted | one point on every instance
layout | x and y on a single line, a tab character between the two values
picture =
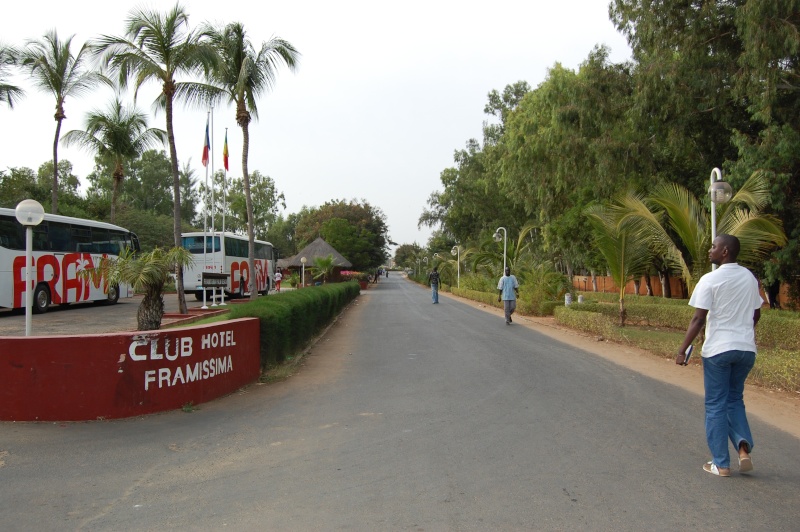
290	319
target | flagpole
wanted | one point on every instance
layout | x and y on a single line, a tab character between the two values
213	211
224	199
205	213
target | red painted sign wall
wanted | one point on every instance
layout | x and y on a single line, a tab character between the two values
104	376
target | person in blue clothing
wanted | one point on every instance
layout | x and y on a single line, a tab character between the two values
433	281
509	292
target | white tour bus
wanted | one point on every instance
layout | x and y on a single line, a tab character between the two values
226	253
62	246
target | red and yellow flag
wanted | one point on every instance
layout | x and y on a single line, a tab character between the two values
225	151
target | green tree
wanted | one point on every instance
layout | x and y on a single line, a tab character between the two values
323	268
621	240
678	227
9	94
404	255
244	76
369	222
159	47
147	273
281	234
266	200
119	133
54	69
19	183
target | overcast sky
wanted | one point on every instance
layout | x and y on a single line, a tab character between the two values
384	95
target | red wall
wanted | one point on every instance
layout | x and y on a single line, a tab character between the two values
73	378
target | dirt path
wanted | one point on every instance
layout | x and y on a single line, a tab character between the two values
779	409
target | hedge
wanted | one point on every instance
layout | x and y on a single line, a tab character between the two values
290	319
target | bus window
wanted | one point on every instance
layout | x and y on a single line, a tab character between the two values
195	244
12	234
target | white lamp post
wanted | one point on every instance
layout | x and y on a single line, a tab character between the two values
505	242
29	213
720	192
303	280
457	252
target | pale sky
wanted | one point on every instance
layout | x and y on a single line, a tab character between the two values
384	94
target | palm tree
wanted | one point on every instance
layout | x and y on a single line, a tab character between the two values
674	220
119	133
621	240
323	268
147	273
244	75
54	69
159	47
9	94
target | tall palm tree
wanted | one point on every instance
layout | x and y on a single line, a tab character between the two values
244	75
120	133
9	94
54	69
158	47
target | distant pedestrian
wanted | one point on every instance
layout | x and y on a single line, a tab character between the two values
278	277
433	282
728	302
509	292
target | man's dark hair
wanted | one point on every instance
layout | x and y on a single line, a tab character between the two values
436	268
732	243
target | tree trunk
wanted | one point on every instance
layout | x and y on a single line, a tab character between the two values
648	284
151	309
54	194
116	179
251	238
622	312
594	282
637	285
666	289
176	193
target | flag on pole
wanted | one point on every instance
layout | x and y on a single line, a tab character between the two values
206	147
225	151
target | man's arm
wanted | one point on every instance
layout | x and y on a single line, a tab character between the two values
756	317
695	326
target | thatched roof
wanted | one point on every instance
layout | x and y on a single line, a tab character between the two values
318	248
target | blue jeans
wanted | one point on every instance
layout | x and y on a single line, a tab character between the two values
724	375
435	293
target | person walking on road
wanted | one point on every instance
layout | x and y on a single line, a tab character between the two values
433	282
728	302
509	292
278	277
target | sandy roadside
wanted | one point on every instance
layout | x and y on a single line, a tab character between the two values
779	409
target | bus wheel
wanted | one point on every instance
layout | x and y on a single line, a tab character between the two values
41	298
113	294
198	295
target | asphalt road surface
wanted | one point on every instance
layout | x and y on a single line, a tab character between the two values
406	416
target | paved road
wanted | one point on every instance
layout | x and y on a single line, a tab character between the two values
406	416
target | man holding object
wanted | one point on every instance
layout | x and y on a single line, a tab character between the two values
728	302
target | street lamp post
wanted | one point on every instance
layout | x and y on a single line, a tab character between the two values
29	213
303	280
720	192
457	252
496	237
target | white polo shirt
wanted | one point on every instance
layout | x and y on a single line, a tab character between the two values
730	294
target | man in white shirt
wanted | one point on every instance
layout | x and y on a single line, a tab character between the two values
728	302
278	279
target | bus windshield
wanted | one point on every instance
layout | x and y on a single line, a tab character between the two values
195	244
